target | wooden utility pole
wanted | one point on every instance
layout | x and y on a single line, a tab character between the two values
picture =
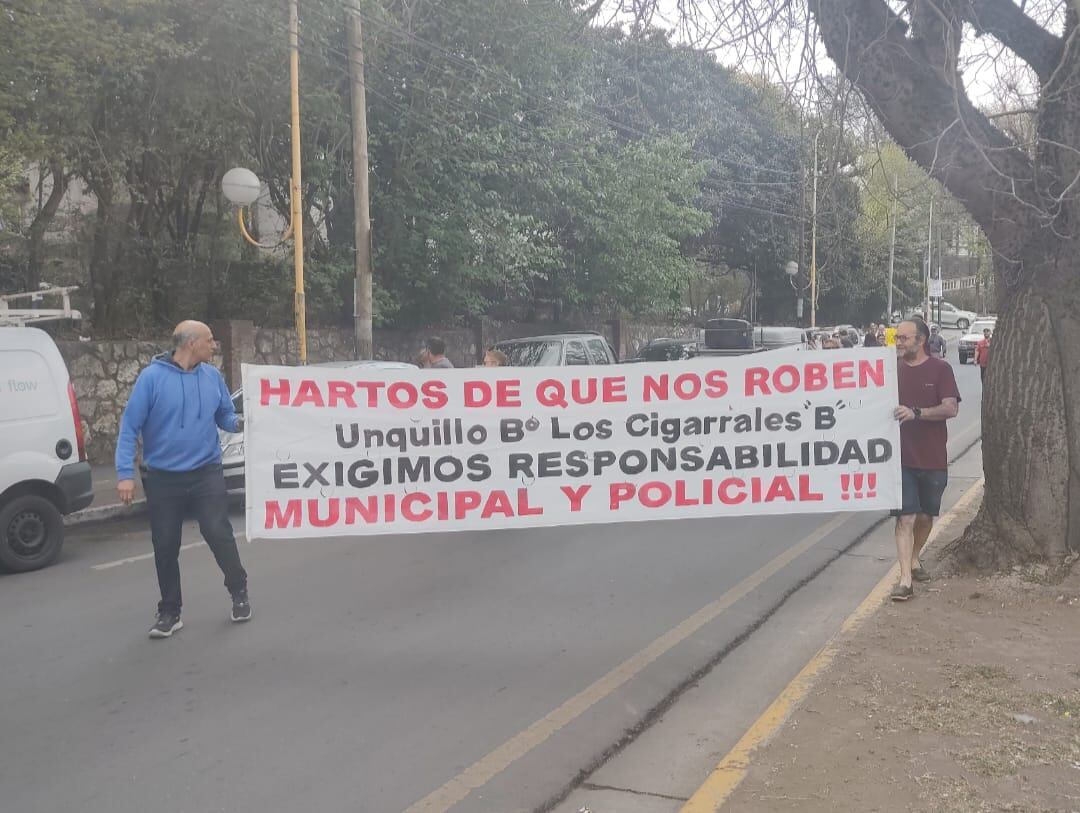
296	199
929	260
813	240
892	243
362	226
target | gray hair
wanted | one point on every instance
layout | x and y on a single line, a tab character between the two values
182	338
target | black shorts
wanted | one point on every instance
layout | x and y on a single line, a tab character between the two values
922	491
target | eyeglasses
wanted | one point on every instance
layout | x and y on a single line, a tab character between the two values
900	337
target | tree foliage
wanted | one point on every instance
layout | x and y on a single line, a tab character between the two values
524	162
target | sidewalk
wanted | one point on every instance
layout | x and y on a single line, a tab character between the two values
106	504
965	699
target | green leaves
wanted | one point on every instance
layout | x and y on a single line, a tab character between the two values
522	162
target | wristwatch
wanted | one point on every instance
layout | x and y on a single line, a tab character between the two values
917	411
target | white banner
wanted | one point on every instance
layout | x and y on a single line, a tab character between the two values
336	452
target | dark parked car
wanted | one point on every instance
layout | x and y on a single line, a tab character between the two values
557	350
667	350
735	337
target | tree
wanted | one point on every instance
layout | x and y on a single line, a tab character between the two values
1021	186
751	137
1025	200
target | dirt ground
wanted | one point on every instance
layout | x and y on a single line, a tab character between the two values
966	698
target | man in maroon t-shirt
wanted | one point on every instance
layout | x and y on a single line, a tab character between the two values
928	398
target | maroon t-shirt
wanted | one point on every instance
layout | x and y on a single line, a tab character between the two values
922	443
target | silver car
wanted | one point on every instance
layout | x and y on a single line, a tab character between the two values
232	443
951	316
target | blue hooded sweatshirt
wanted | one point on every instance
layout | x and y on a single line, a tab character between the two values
178	413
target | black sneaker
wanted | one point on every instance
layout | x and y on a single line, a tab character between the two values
166	625
920	574
241	607
901	593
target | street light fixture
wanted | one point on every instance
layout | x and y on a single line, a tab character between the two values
791	268
242	188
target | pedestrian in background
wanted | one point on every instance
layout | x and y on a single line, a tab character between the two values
936	344
177	405
871	338
436	350
982	353
495	358
928	398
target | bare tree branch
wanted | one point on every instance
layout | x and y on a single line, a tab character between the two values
1006	22
913	97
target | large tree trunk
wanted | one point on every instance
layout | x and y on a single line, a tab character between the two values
41	222
1026	434
1025	203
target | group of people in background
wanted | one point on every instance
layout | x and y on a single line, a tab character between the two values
875	336
433	356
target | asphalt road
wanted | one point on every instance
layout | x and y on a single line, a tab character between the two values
376	671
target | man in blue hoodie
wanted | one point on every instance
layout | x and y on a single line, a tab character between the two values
177	405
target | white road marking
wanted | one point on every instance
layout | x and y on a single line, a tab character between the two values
142	557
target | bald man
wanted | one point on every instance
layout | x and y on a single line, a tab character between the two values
177	405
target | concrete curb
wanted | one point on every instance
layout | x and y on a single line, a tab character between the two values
106	512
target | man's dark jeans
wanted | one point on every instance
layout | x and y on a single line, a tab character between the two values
170	498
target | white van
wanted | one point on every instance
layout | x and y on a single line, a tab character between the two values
43	469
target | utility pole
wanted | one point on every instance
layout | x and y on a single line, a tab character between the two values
802	224
929	259
892	242
362	227
813	241
299	303
940	254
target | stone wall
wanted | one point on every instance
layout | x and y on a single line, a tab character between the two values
403	345
281	346
103	372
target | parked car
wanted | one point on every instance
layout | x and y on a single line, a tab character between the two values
667	350
44	473
735	337
770	337
558	350
853	332
232	443
951	316
966	347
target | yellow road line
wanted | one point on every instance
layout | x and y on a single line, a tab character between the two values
486	768
733	768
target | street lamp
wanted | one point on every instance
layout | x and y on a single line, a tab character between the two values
241	186
791	268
